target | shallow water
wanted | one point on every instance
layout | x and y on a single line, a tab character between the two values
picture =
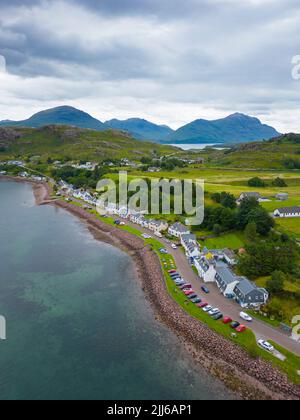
78	325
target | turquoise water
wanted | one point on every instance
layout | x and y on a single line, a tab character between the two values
78	326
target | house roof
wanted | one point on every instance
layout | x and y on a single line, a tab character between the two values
251	194
226	274
245	286
288	210
189	237
179	227
229	253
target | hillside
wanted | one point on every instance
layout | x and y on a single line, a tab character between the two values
232	129
64	115
62	141
141	129
282	152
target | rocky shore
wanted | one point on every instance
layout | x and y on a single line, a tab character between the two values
249	378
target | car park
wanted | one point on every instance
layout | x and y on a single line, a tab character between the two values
266	345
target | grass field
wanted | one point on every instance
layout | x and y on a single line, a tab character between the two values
234	241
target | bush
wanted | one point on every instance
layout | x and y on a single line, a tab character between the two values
256	182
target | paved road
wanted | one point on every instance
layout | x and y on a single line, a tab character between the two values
226	306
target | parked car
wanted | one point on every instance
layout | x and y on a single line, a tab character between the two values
205	289
146	236
196	300
234	325
246	317
266	345
203	305
217	316
214	311
172	271
117	222
174	246
241	329
192	296
189	292
227	320
186	286
207	308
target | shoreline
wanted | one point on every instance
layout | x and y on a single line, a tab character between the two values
248	378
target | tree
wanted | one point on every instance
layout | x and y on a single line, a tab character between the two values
276	283
251	232
256	182
279	182
217	229
245	209
264	222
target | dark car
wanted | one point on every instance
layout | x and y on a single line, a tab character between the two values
196	300
193	296
217	316
205	289
234	325
117	222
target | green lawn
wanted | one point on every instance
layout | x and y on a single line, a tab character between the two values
230	240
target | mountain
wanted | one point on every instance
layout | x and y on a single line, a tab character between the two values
232	129
63	115
141	129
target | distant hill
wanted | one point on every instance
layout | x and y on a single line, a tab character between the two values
63	115
232	129
141	129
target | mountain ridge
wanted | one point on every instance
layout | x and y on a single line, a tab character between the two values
235	128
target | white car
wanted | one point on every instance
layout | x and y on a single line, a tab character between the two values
246	317
146	236
266	346
214	311
207	308
174	246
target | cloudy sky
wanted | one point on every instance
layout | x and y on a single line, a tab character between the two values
170	61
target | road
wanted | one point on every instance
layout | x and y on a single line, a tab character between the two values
229	308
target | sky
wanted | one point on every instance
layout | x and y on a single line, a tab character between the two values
169	61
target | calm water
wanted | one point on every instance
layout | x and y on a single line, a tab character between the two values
77	323
199	146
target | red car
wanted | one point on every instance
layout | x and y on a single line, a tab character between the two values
172	271
202	305
241	329
227	320
189	292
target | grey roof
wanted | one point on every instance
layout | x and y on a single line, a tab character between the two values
229	253
246	286
288	210
226	274
189	237
158	222
251	194
179	227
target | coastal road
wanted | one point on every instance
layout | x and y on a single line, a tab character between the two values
228	307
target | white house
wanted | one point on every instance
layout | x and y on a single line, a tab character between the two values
178	229
229	256
191	246
247	195
158	225
206	267
282	196
288	212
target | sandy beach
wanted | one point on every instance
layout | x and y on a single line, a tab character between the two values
250	379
